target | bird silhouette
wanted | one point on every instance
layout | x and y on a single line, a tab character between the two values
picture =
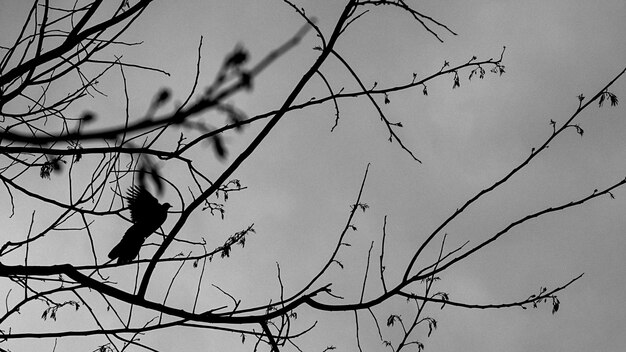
147	216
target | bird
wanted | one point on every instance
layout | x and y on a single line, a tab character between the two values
147	215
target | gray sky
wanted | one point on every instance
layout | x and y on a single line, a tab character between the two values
302	181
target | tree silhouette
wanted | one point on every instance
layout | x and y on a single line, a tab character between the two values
83	159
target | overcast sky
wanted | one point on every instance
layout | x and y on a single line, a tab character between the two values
302	181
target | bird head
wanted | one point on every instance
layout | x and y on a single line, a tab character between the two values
166	206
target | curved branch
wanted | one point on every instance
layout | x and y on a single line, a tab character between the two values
245	154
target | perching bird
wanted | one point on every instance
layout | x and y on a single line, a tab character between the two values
147	216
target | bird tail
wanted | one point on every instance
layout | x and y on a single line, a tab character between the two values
114	253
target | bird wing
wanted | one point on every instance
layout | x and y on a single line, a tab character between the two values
142	205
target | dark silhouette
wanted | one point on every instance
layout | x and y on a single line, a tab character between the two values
147	216
49	74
